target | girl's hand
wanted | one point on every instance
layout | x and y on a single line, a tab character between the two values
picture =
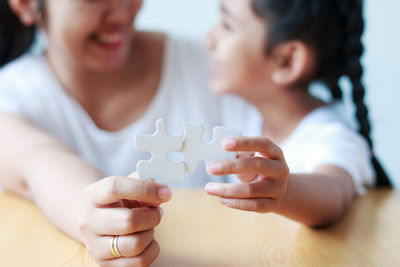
123	207
262	170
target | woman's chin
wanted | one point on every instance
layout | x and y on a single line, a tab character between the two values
220	88
107	66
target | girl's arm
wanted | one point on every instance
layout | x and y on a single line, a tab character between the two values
319	198
314	199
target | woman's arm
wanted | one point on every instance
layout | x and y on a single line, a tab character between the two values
37	166
71	194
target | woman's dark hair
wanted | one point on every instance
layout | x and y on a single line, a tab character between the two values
333	28
15	37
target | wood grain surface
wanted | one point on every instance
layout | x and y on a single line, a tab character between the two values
197	230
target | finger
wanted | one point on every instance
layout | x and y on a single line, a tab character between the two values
147	257
245	155
247	178
261	166
257	205
254	144
113	189
137	204
128	245
258	189
122	221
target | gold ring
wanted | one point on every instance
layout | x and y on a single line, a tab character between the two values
114	246
116	249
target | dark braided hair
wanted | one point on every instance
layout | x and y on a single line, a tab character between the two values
333	29
15	37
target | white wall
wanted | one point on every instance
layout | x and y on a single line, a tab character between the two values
382	78
193	18
190	18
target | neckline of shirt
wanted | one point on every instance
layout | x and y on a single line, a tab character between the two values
127	130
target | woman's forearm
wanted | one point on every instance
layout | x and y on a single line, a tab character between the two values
317	199
37	166
55	178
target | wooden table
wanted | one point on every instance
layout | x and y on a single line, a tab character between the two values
197	231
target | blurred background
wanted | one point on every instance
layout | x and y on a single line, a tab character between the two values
193	19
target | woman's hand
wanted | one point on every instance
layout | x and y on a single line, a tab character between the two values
263	172
123	207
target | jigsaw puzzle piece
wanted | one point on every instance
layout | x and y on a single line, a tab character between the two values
159	167
161	171
195	149
215	150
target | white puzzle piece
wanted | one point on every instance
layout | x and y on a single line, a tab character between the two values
195	149
191	146
159	167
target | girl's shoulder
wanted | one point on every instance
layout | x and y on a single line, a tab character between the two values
328	136
331	124
335	115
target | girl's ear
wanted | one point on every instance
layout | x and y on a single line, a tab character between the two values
293	63
26	10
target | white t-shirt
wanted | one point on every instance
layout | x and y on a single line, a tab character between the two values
29	88
326	137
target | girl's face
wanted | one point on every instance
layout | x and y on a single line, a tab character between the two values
94	35
236	44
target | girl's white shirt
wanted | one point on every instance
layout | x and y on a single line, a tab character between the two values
327	136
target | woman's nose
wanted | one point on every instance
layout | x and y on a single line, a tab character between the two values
122	10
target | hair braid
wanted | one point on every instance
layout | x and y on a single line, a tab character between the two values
333	28
353	51
334	88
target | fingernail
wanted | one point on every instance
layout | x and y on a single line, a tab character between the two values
161	211
215	167
210	187
164	194
229	143
223	201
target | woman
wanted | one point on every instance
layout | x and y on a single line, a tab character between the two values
68	117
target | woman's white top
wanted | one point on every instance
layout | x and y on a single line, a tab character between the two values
29	88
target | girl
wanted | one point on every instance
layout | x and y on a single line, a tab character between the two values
68	117
269	52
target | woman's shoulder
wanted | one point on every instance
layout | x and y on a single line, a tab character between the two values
25	62
188	50
185	67
22	71
26	85
181	45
